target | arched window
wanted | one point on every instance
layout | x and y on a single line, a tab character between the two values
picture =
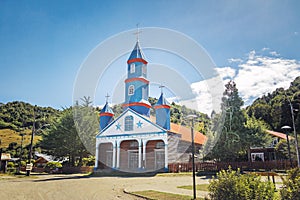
132	68
160	145
129	123
133	145
144	69
131	90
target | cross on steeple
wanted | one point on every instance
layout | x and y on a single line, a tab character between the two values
161	88
107	96
137	33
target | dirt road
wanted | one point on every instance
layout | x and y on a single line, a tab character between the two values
65	187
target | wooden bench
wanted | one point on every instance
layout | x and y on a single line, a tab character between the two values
272	174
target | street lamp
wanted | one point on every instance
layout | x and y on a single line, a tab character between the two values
193	153
285	129
294	127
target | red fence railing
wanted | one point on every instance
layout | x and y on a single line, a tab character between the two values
216	166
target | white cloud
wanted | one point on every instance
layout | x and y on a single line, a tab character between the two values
274	53
265	49
235	60
255	76
226	72
259	75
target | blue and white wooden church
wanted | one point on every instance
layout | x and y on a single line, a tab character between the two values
132	141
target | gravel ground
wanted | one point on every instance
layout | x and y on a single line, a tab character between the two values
82	187
61	187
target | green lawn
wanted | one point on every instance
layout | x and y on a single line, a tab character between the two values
152	194
202	187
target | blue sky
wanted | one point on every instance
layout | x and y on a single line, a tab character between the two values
44	43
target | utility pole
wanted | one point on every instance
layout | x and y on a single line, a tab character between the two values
29	166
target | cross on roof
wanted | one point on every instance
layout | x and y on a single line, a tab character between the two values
137	33
161	88
107	96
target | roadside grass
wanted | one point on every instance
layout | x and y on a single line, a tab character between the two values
156	195
202	187
175	174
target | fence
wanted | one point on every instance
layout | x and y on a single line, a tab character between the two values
65	170
216	166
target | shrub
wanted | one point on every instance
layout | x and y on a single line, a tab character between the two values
291	185
10	165
90	161
53	165
232	185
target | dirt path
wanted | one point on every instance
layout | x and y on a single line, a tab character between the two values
62	187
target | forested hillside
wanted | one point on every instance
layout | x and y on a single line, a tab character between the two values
274	108
20	115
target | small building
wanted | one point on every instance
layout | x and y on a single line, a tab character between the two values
5	157
42	160
267	153
136	141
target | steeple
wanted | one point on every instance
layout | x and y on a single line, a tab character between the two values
106	115
162	109
136	84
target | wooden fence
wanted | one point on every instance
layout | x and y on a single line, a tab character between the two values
216	166
65	170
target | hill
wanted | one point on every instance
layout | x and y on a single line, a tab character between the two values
274	108
20	115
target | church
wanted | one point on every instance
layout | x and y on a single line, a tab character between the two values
136	141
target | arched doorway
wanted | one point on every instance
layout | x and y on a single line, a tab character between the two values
105	158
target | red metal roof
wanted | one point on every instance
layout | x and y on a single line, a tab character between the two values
185	133
278	134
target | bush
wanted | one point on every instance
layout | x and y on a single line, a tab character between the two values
10	165
291	185
231	185
53	165
90	161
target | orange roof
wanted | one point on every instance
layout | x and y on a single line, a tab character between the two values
278	134
185	133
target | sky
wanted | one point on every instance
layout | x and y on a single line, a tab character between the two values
44	44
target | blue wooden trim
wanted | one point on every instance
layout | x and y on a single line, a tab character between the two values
117	135
135	113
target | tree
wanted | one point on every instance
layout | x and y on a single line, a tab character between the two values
63	138
229	143
239	132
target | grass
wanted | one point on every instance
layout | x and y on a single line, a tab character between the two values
175	174
8	136
152	194
202	187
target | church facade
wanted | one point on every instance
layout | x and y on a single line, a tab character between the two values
134	141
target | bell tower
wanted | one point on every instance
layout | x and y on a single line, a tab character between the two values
136	84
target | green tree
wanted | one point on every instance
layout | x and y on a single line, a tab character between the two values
63	138
230	139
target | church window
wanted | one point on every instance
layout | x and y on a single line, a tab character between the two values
144	69
132	68
129	123
133	145
131	90
160	145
